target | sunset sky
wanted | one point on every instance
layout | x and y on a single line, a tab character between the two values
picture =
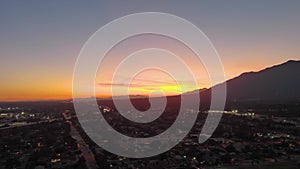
40	41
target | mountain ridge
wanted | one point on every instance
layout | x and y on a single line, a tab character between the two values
278	82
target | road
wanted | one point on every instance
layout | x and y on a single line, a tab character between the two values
28	124
84	148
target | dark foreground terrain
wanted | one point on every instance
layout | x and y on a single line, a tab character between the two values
45	135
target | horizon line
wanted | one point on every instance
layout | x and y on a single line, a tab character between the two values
110	97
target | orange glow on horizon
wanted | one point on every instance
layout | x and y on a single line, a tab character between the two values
56	84
43	90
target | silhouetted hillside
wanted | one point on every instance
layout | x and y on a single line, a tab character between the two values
277	83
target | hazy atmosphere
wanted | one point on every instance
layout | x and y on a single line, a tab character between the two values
40	40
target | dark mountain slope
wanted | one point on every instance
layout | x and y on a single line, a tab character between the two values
280	82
